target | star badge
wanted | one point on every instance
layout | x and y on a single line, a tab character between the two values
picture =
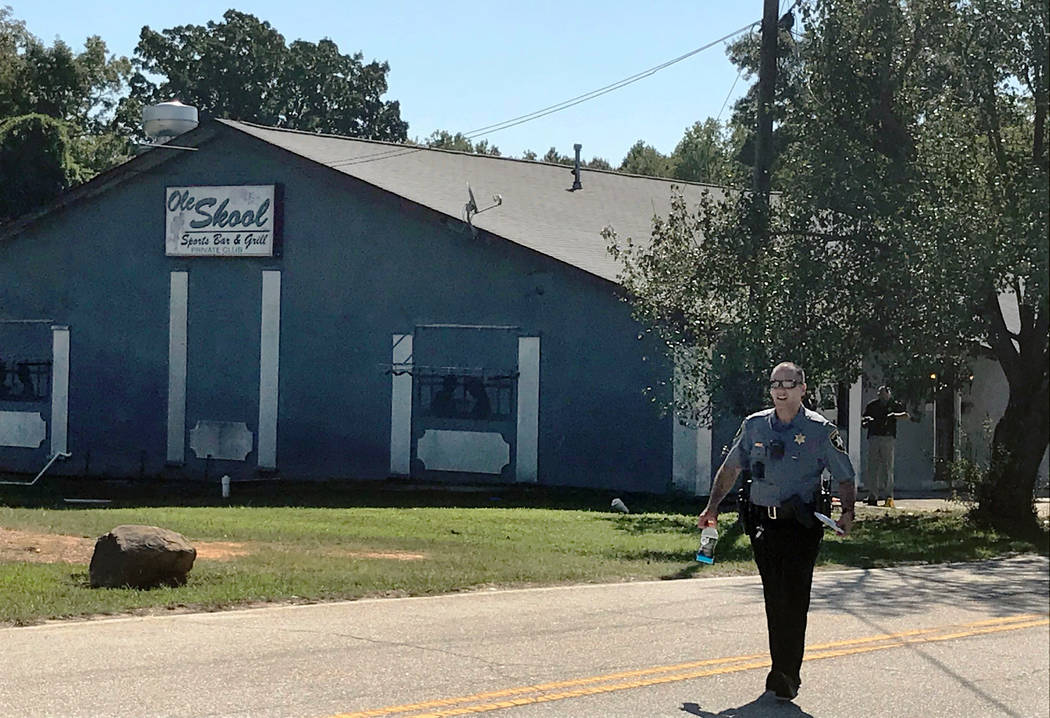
800	439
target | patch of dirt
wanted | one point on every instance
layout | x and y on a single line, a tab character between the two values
17	545
395	555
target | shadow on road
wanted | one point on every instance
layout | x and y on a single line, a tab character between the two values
764	705
1007	588
1002	588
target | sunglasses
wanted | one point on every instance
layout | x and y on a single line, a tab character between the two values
783	383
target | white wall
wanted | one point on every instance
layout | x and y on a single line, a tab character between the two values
982	405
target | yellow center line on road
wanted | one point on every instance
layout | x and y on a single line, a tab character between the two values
607	683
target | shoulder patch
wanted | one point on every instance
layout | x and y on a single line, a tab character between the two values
836	441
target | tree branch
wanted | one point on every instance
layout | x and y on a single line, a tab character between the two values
999	337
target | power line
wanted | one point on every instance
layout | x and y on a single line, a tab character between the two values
521	119
741	70
729	94
551	109
385	154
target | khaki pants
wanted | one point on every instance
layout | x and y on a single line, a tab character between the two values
879	481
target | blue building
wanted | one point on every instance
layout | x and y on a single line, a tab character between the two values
293	305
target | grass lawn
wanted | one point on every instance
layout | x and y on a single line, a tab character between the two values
318	553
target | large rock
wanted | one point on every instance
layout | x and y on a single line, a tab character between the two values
141	557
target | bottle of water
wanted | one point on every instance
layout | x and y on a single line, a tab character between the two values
708	540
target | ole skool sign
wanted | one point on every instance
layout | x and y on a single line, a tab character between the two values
223	220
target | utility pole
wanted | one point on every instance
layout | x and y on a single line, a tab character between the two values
767	80
760	180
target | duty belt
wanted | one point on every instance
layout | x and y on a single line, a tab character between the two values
793	508
775	513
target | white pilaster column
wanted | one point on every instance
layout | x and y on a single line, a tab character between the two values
856	397
177	304
269	368
526	457
401	406
59	389
703	460
958	433
684	459
691	454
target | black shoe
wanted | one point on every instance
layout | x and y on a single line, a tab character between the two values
872	501
783	687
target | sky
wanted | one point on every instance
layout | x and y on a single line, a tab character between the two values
460	66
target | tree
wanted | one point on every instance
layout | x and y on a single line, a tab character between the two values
59	108
916	208
703	155
643	159
240	68
445	140
36	163
554	157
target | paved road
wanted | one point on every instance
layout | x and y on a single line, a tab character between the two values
959	640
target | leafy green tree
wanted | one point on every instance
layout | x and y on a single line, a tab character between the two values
36	163
916	209
554	157
61	105
241	68
445	140
704	155
643	159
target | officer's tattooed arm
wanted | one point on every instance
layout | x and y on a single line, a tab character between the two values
848	499
847	496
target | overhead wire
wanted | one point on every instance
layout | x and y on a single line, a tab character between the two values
729	94
488	129
550	109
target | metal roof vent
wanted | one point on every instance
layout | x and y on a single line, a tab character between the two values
576	183
168	119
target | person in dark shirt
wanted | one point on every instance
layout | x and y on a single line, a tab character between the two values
881	417
443	403
475	388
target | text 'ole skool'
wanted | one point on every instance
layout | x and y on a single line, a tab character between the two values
183	201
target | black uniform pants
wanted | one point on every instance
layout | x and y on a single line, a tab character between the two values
785	552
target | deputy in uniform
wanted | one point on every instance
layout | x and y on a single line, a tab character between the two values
786	449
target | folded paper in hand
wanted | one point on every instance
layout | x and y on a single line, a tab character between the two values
829	522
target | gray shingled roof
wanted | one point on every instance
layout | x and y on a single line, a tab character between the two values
537	212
